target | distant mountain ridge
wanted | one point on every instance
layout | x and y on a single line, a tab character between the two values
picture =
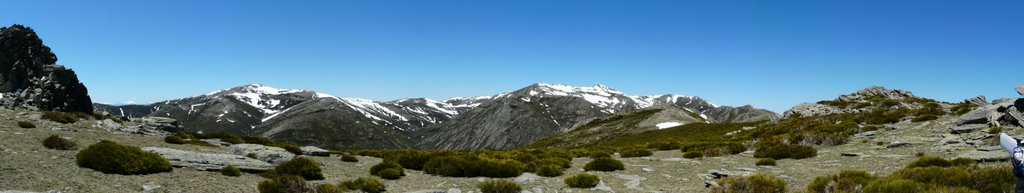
312	118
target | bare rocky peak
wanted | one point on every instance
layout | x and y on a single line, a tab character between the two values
872	91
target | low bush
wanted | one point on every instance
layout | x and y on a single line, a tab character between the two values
377	169
927	117
329	188
599	154
290	148
845	181
284	184
390	174
894	186
26	124
60	117
112	158
927	161
231	170
499	186
664	145
258	140
761	183
692	154
636	153
604	164
501	168
59	143
765	162
711	149
349	158
225	137
174	140
582	181
300	166
368	185
549	170
784	151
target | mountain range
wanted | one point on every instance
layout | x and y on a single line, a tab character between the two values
500	121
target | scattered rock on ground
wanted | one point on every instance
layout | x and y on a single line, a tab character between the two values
273	155
208	161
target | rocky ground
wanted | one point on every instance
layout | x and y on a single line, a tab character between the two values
25	165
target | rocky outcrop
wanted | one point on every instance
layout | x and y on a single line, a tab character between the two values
1020	89
273	155
30	77
1001	112
811	109
208	161
315	151
873	91
161	123
978	101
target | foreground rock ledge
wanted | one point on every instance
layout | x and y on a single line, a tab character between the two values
208	161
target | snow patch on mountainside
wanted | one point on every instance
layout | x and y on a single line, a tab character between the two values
369	107
667	125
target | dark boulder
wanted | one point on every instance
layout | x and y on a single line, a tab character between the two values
30	77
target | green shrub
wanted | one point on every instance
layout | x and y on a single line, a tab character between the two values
894	186
845	181
26	124
712	149
637	153
604	164
112	158
582	181
927	117
784	151
368	185
761	183
328	188
599	154
290	148
390	174
550	170
501	168
927	161
231	170
499	186
377	169
992	179
765	162
59	117
59	143
953	176
284	184
453	166
174	140
664	145
258	140
693	154
349	158
300	166
225	137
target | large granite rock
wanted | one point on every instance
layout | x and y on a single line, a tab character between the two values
811	109
872	91
161	123
978	100
273	155
208	161
1020	89
315	151
30	77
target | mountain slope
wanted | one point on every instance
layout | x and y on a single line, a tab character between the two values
541	110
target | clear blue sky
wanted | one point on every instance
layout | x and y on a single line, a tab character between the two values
772	54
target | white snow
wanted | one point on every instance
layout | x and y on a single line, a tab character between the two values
369	107
192	108
667	125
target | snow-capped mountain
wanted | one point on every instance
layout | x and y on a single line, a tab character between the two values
509	119
540	110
